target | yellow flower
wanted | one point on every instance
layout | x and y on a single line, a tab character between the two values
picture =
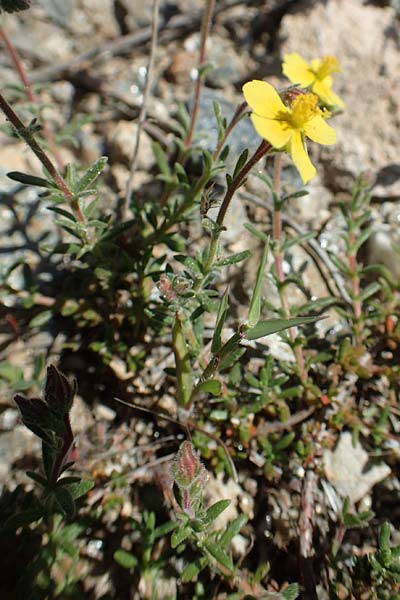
285	128
315	75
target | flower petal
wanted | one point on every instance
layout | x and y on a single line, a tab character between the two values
263	99
277	133
319	131
300	157
297	70
325	93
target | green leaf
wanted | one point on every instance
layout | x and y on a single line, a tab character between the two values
180	535
41	319
221	316
233	529
264	328
220	555
183	365
79	489
233	259
370	290
62	212
240	162
254	231
193	569
291	592
10	373
23	518
125	559
65	501
298	194
91	175
161	159
164	529
384	536
255	303
215	510
38	478
189	262
212	386
28	179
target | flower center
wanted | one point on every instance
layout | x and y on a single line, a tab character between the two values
304	108
328	65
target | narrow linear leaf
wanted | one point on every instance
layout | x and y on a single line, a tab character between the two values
255	303
264	328
28	179
184	373
192	570
180	536
233	259
79	489
221	316
161	159
65	501
125	559
215	510
212	386
91	174
233	529
220	555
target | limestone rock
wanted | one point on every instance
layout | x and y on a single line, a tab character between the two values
345	469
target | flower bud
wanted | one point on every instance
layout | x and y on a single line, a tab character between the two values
190	476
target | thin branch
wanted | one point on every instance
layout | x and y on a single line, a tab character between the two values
29	94
143	109
312	244
205	30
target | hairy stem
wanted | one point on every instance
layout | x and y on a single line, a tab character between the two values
263	148
26	134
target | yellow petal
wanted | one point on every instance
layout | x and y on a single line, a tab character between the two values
263	99
318	130
297	70
325	93
277	133
315	64
300	157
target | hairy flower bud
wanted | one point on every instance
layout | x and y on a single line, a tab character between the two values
190	476
58	393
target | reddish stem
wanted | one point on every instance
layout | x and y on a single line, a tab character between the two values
277	236
30	95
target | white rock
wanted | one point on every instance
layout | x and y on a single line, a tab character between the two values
344	468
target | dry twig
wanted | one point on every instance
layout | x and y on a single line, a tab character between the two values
143	109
